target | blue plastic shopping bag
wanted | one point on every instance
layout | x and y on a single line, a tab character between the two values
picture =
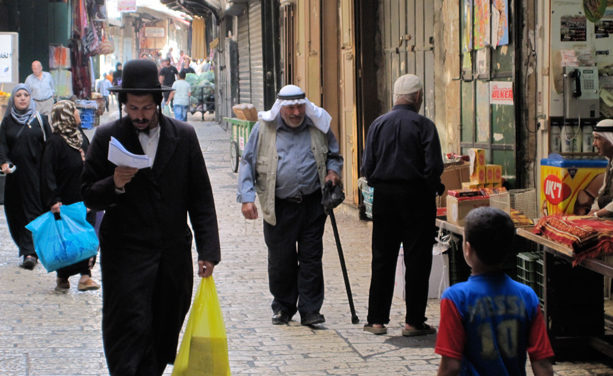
63	241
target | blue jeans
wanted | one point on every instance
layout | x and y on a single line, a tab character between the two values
180	112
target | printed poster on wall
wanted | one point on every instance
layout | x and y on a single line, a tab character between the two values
573	28
482	23
6	58
500	23
501	92
467	22
126	5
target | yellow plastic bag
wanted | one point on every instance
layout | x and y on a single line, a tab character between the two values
204	348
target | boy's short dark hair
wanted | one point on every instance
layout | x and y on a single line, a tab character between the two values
490	232
182	74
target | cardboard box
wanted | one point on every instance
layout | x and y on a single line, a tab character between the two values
493	173
471	185
458	207
478	175
453	176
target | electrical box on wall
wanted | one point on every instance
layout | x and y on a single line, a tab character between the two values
581	99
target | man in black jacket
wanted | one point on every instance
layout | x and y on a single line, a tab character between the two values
403	162
145	241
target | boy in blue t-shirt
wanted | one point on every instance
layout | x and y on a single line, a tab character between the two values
490	322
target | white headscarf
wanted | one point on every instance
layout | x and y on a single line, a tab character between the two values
292	95
604	129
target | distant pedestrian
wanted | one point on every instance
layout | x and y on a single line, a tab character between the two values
490	322
103	88
289	157
145	239
42	88
61	169
186	66
117	74
403	162
168	75
180	97
23	134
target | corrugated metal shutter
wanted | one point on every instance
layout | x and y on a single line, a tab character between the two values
244	69
256	54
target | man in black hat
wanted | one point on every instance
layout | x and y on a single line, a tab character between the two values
145	240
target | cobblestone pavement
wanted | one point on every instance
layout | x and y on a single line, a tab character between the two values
47	333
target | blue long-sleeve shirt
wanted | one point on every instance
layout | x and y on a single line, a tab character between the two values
296	167
403	147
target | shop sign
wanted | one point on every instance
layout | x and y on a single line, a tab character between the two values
555	190
154	32
126	5
6	58
501	92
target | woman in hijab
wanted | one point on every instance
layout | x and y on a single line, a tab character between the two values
61	180
23	133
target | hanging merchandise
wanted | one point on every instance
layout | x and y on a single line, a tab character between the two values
59	57
62	79
587	140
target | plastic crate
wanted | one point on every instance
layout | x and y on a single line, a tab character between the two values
501	201
88	118
540	281
524	200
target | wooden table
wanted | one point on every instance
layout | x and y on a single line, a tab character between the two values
561	316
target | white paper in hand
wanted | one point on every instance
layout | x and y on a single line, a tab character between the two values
120	156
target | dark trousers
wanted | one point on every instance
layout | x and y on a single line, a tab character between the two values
406	215
295	274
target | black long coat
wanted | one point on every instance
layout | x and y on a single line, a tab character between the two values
145	241
23	146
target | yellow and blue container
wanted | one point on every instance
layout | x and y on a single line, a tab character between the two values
569	186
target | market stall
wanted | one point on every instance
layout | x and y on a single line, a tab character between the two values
559	250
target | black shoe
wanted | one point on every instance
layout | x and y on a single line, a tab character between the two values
280	318
29	262
309	319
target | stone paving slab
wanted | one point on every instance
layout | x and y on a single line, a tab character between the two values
47	333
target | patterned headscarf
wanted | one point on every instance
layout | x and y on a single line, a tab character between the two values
63	122
21	116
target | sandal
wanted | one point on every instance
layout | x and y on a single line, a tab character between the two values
418	330
377	330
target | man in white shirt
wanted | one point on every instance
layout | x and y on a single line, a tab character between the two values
42	87
180	97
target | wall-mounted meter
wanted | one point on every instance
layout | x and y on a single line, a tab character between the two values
581	99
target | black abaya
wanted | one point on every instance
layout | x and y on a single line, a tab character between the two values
22	145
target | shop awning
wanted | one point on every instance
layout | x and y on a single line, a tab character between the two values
196	7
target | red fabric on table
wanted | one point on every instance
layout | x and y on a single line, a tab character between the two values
587	236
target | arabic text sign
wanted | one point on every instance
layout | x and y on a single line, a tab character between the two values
501	92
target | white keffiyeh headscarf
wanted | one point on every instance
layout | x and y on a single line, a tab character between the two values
604	129
292	95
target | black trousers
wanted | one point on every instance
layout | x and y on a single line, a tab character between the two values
295	274
401	214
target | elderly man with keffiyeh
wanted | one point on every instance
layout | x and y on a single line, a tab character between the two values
603	141
289	157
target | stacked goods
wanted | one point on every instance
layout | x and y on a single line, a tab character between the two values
460	202
482	175
454	176
477	166
520	219
493	175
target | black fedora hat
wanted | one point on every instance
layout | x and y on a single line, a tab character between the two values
140	76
